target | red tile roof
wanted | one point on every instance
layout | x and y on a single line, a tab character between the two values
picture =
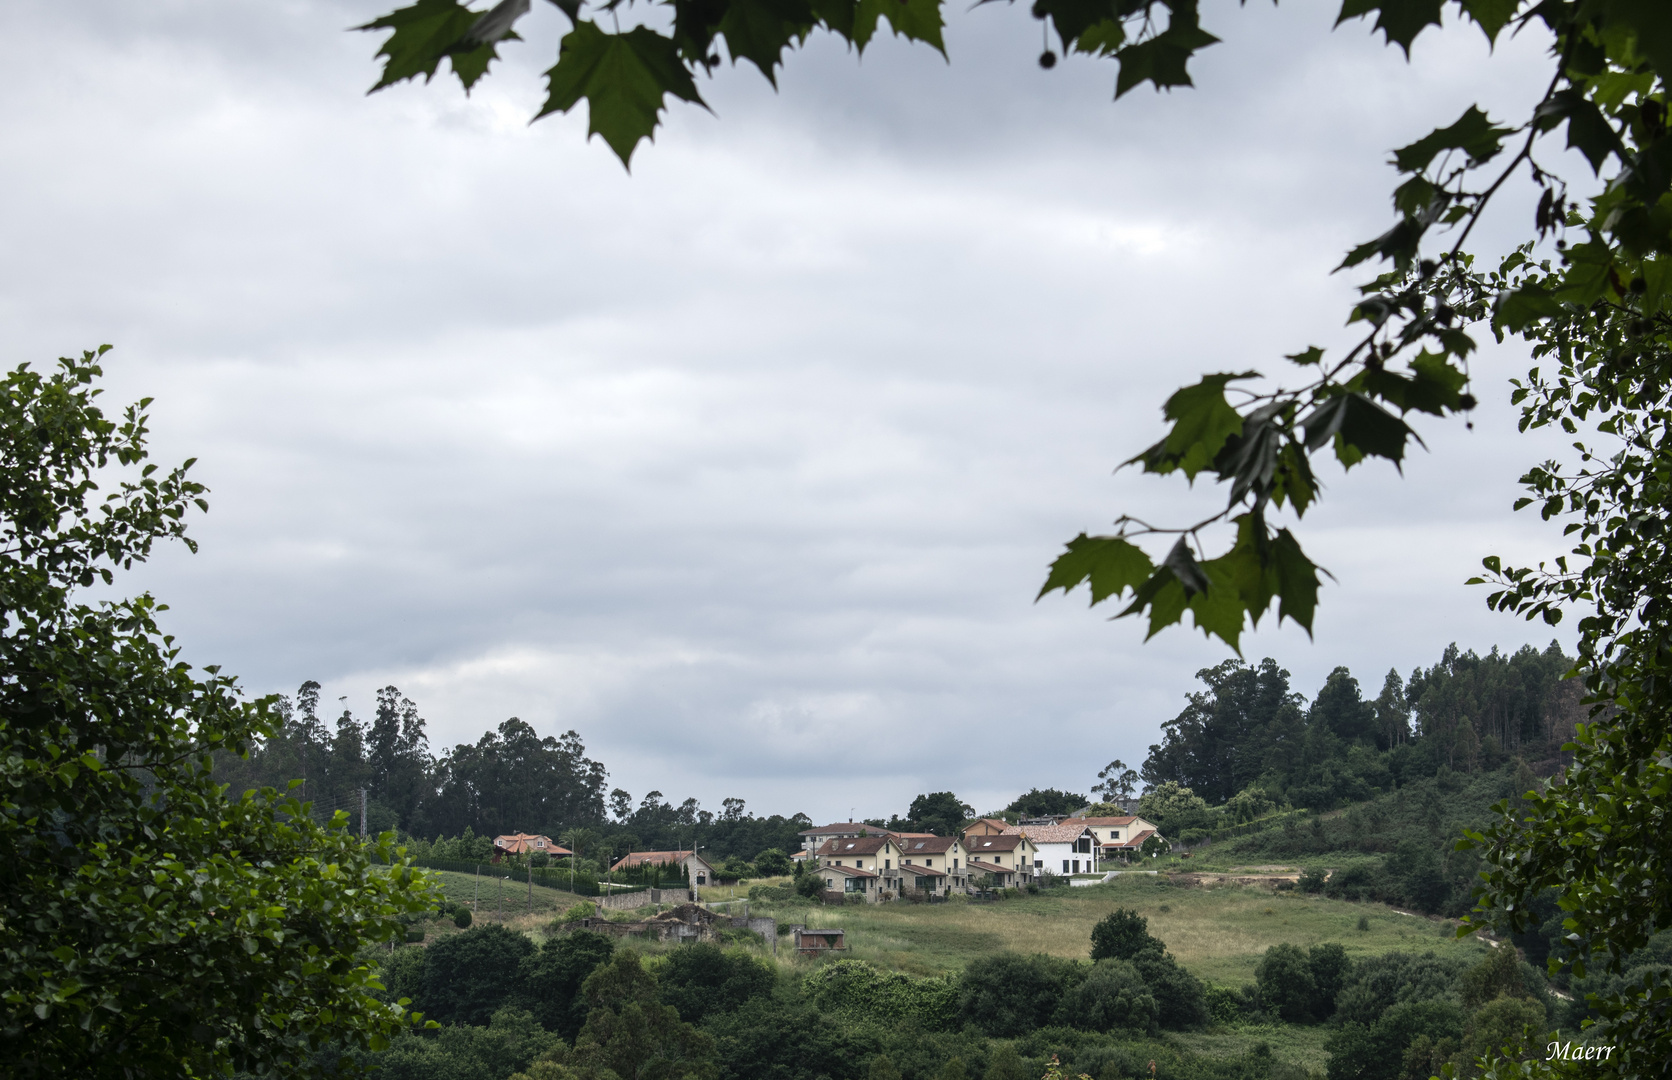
859	845
925	844
1009	842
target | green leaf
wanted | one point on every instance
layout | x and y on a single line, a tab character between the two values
1310	356
1108	564
1358	425
1297	581
1434	385
760	30
1202	421
1072	18
424	33
1516	309
625	78
1589	131
1400	20
1162	59
1490	15
1182	562
914	20
1473	133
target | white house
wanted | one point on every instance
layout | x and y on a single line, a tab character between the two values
1068	848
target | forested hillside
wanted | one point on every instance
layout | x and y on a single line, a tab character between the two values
1249	741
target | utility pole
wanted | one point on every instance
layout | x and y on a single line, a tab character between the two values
362	814
499	904
531	885
476	897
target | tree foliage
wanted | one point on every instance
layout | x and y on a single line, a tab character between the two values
149	924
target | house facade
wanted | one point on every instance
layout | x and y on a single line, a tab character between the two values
1119	837
1007	858
1060	849
872	857
933	864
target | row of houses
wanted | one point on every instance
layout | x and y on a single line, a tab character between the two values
859	859
534	843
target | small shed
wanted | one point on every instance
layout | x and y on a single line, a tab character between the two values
818	941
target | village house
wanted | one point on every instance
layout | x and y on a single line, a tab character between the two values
934	864
1118	837
1007	859
874	860
986	826
1068	848
694	864
528	844
813	839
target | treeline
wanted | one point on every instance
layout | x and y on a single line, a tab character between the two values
1250	743
509	780
577	1004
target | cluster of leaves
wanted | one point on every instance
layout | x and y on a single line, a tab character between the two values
149	925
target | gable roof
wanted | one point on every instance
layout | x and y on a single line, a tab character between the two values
848	871
844	828
1107	822
991	868
1049	834
859	845
925	844
975	845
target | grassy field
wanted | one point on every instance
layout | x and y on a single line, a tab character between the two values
1219	933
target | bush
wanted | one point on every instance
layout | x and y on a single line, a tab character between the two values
701	980
810	886
1312	880
468	976
1286	985
856	989
1355	881
549	982
462	917
1113	995
1377	1050
1330	970
575	913
1179	996
1378	983
1006	995
772	863
1122	935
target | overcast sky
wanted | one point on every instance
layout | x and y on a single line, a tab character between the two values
746	466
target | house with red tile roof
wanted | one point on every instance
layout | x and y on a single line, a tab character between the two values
528	844
1060	849
694	864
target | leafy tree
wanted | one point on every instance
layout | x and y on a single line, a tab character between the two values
772	863
1330	969
510	1041
150	924
1006	1064
1376	1050
549	981
1112	996
1180	997
469	976
1123	934
1046	803
1006	994
631	1033
1116	781
702	979
1175	808
941	813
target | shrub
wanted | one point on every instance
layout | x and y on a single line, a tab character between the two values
576	912
810	886
1179	997
1113	995
1312	880
550	981
701	980
1377	1050
1006	995
1378	983
857	989
468	976
1286	984
1355	881
772	863
1122	935
1330	969
462	917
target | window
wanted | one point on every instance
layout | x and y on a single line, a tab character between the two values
888	864
1076	866
954	864
1065	866
928	862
